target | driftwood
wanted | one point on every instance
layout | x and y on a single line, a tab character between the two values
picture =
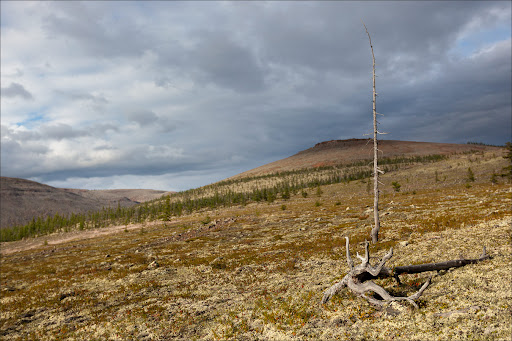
359	278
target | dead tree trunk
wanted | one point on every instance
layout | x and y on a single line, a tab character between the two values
376	170
455	263
359	278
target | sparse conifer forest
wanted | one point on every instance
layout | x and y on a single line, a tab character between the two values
264	188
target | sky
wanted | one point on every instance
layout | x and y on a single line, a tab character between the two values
176	95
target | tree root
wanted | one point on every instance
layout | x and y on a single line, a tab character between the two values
359	278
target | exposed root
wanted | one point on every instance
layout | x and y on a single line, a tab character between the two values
359	277
359	280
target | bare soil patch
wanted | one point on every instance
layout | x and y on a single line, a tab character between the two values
60	238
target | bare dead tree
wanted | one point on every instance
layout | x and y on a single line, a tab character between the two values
359	278
376	169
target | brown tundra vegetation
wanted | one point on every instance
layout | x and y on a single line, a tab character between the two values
258	271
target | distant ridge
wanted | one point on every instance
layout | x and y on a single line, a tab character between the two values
336	152
21	200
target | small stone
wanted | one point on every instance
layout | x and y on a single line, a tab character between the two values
404	243
153	265
338	321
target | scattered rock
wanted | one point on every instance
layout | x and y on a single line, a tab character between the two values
391	312
65	295
105	266
242	269
404	243
338	321
153	265
28	314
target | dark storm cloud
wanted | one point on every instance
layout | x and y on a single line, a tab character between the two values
142	117
61	131
16	90
330	35
139	161
147	118
96	29
20	159
469	99
227	64
200	88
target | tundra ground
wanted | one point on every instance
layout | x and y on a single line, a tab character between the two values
258	272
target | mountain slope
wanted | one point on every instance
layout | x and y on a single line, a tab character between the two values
21	200
337	152
112	195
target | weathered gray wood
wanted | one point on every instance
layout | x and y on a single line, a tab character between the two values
455	263
359	278
376	170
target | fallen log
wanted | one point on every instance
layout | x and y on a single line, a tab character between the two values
455	263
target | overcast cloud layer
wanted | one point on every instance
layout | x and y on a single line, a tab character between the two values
175	95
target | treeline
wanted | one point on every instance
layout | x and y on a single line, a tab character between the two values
483	144
316	172
281	185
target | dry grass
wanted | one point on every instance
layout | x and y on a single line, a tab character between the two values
261	275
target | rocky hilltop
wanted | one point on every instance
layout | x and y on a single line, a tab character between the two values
337	152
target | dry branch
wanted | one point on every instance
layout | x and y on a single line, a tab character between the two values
359	277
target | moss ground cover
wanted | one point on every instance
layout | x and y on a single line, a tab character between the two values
258	272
